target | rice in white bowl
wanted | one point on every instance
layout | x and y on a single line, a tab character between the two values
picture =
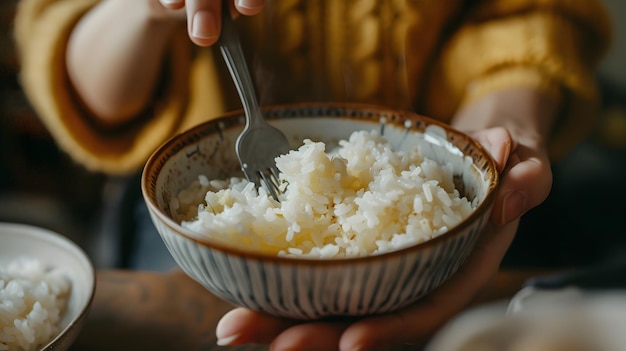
33	298
363	198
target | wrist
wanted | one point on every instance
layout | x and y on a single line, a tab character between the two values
516	91
513	77
527	113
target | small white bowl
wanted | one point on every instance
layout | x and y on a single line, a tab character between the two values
314	288
54	250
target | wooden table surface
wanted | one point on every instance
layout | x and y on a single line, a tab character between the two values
137	310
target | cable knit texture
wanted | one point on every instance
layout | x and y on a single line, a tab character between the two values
429	56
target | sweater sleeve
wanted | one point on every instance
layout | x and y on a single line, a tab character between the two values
42	29
551	45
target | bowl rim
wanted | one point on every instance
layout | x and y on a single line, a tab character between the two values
174	144
50	236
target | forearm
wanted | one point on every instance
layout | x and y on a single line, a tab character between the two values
114	57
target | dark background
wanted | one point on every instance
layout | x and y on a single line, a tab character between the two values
39	185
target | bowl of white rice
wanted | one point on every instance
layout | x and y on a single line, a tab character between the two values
377	208
47	284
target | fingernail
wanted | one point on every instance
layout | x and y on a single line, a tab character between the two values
204	26
514	204
226	341
250	4
171	2
225	333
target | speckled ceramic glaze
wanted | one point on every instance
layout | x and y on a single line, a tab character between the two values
308	288
52	249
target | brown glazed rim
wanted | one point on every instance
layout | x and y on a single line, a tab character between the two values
362	112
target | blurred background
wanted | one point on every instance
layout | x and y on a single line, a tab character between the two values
40	185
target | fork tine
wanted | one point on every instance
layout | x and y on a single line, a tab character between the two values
274	172
251	175
270	181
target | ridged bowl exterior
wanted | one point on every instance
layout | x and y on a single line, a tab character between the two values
309	288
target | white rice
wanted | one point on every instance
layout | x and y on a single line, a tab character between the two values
363	198
32	301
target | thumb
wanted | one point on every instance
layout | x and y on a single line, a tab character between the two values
498	142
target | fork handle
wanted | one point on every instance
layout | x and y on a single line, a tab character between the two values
232	52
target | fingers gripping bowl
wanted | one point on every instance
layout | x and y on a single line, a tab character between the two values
301	286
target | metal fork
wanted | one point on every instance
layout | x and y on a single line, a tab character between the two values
259	143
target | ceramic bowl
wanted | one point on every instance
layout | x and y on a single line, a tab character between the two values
313	288
54	250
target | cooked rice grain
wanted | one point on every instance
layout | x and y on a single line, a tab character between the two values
361	199
32	301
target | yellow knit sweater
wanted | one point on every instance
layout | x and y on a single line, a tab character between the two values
429	56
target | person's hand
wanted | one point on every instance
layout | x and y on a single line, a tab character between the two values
203	16
527	116
512	126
